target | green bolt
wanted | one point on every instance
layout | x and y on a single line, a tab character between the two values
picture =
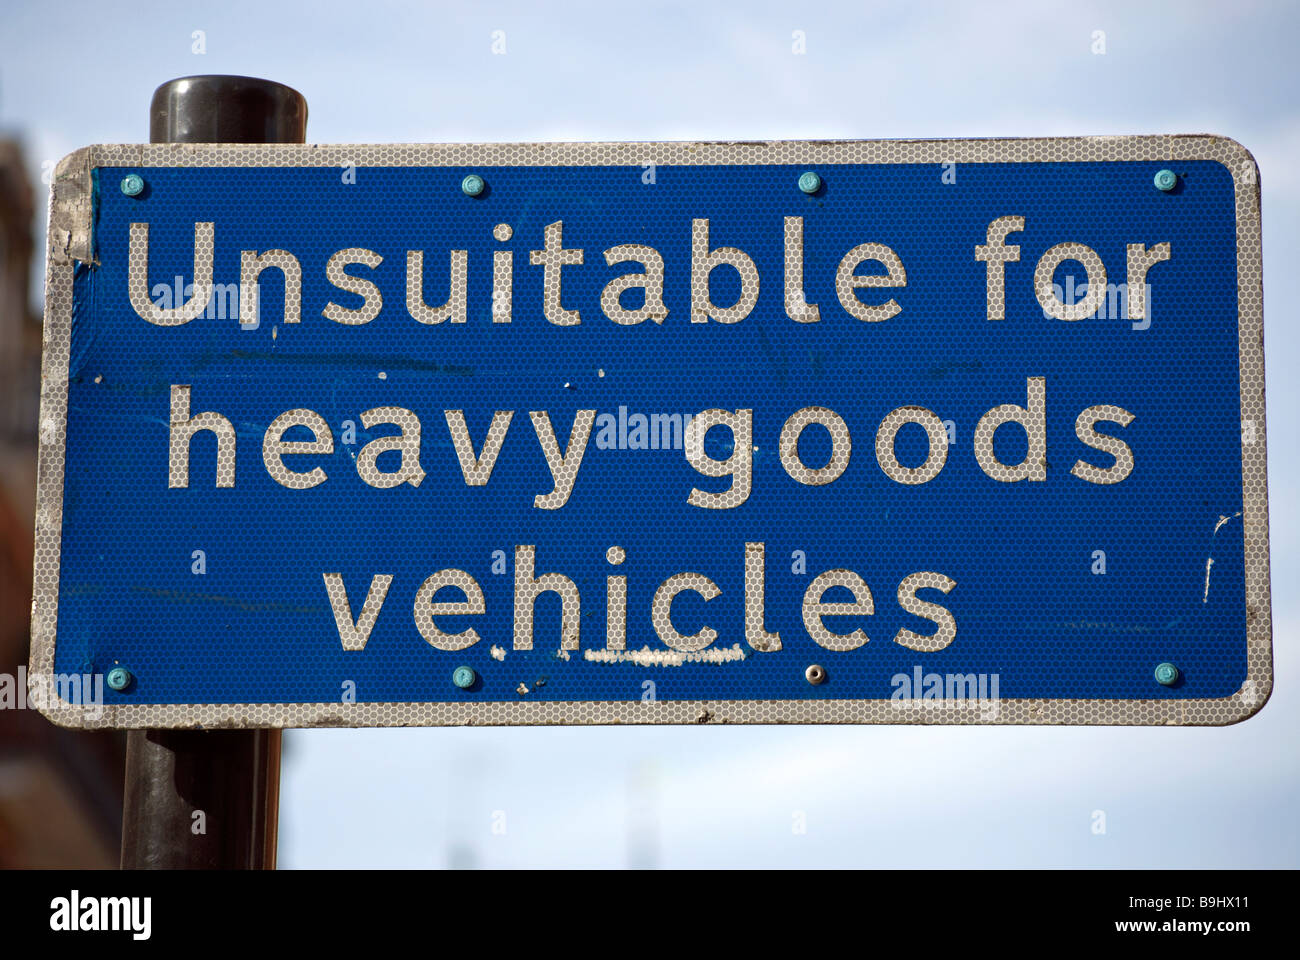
119	678
1166	180
464	677
133	184
473	185
810	182
1166	674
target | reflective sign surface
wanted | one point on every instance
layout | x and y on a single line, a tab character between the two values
964	431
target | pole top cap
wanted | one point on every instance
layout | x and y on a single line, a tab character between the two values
216	108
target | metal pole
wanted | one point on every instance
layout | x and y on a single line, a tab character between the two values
209	799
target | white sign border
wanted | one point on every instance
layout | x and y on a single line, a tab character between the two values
71	240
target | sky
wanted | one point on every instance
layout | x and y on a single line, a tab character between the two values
76	73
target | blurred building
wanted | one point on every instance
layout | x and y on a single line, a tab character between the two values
60	790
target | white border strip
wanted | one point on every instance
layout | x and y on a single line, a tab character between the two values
70	240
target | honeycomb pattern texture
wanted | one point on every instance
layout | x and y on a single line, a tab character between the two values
270	634
936	456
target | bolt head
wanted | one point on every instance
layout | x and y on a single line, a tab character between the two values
464	677
1166	180
1166	674
810	182
119	678
815	674
473	185
133	184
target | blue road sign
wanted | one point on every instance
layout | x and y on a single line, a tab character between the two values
893	432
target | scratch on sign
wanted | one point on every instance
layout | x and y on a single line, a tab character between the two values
1209	561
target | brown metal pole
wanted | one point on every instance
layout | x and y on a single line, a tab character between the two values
209	799
201	799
